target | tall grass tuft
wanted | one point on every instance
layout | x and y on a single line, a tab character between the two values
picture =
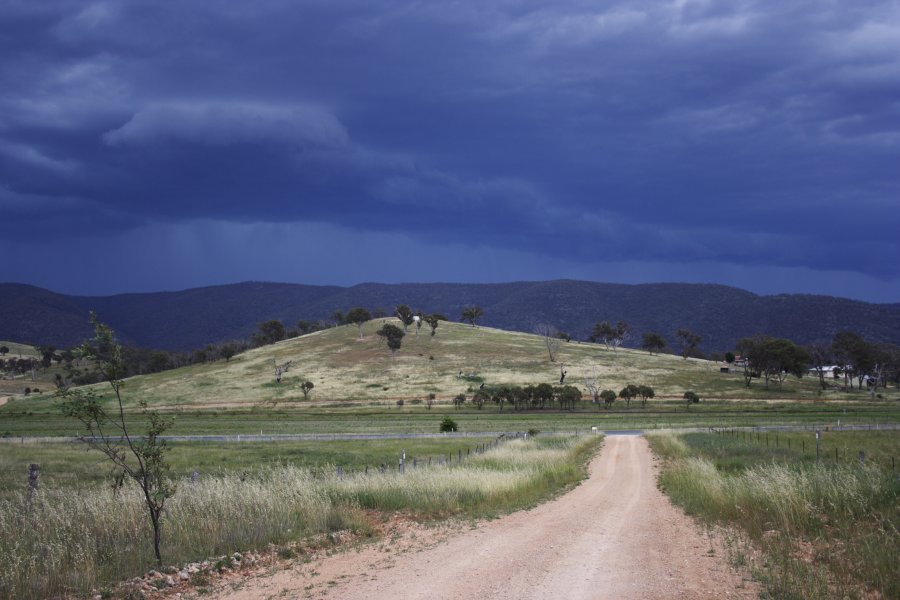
74	540
827	530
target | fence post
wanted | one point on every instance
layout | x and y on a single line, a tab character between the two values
818	445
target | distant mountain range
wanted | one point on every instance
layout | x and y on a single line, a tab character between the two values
193	318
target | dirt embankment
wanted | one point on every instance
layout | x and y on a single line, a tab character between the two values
614	536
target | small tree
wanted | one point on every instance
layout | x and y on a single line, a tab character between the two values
405	314
306	387
392	335
4	350
139	458
358	316
729	357
691	398
471	314
448	425
628	393
645	392
608	397
227	351
480	397
429	401
433	322
459	400
653	342
689	342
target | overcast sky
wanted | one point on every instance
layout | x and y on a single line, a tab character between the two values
148	145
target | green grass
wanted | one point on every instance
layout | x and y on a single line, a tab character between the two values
74	465
827	528
74	540
41	417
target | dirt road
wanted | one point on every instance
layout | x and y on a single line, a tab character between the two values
614	536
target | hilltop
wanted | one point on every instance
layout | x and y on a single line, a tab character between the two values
192	318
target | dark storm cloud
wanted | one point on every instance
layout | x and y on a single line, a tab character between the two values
758	134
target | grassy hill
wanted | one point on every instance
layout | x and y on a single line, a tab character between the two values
346	369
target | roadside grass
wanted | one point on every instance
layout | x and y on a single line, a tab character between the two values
826	528
74	465
72	540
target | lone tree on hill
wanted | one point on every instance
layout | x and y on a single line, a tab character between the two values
4	350
689	342
653	342
691	398
141	458
548	334
471	314
358	316
433	322
611	336
392	335
405	314
306	387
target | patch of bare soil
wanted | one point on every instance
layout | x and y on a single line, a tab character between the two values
614	536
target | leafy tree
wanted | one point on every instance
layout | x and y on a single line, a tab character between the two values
645	392
4	350
628	393
691	398
480	397
854	355
568	396
729	357
405	314
549	335
418	319
608	397
159	361
140	458
448	425
543	393
653	342
269	333
306	387
773	358
689	341
471	314
459	400
227	351
429	400
358	316
392	335
602	333
433	322
338	317
820	356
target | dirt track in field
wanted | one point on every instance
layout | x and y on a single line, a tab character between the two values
614	536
